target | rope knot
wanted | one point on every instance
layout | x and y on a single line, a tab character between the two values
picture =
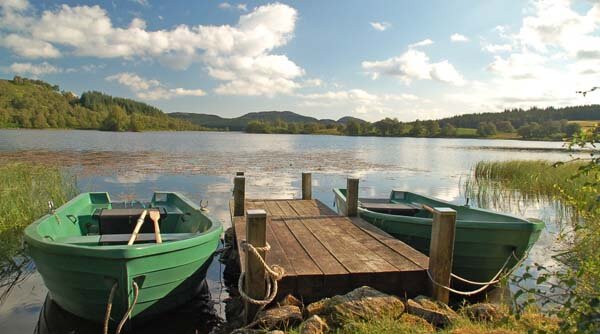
273	274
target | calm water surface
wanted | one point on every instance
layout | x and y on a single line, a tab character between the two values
201	165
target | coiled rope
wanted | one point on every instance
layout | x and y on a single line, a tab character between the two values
274	274
136	291
485	285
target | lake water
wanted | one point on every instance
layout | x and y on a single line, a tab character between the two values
201	165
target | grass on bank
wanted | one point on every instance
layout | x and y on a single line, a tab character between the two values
25	190
529	321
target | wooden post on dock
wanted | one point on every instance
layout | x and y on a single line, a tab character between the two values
441	250
352	197
256	235
239	195
306	186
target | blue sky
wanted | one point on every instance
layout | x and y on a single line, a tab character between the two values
325	59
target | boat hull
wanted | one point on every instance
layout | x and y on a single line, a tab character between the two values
480	249
80	275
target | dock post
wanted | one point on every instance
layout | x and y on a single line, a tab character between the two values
352	198
239	195
306	186
255	285
441	250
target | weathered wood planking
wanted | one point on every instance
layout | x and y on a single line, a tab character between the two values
324	254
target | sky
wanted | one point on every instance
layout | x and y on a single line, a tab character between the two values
327	59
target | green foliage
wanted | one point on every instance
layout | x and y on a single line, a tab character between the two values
353	128
448	130
486	129
26	103
25	190
505	126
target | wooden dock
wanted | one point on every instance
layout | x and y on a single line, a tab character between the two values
325	254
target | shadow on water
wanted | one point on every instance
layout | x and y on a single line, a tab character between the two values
196	316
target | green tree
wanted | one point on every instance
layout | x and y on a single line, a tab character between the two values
353	128
448	130
432	128
505	126
486	129
417	130
117	120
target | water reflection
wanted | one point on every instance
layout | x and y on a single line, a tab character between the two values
197	316
202	166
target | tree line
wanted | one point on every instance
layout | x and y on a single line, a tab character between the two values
388	127
27	103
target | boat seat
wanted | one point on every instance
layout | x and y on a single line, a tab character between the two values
122	239
404	209
119	239
122	221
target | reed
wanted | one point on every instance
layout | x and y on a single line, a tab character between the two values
25	190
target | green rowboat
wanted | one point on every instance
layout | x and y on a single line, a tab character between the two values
81	252
484	240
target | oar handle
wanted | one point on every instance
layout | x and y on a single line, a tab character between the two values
156	229
137	228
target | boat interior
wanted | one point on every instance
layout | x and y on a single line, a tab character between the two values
104	223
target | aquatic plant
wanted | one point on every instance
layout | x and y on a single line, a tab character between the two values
25	190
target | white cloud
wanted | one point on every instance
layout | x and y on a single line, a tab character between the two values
149	89
240	56
459	38
414	65
424	42
496	48
554	52
34	69
380	26
30	48
144	3
241	6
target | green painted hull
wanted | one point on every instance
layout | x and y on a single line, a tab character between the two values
79	273
484	239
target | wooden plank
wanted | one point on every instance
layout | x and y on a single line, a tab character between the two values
400	247
339	226
379	247
273	209
309	277
287	209
326	262
336	245
297	256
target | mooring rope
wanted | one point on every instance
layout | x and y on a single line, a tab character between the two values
494	279
136	291
274	273
109	308
111	295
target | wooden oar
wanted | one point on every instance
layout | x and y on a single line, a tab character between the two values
137	228
155	216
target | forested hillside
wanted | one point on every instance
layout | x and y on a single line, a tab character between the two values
26	103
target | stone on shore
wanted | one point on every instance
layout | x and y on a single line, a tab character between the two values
279	317
436	313
314	325
363	303
484	312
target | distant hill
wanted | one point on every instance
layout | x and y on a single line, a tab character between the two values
27	103
240	123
